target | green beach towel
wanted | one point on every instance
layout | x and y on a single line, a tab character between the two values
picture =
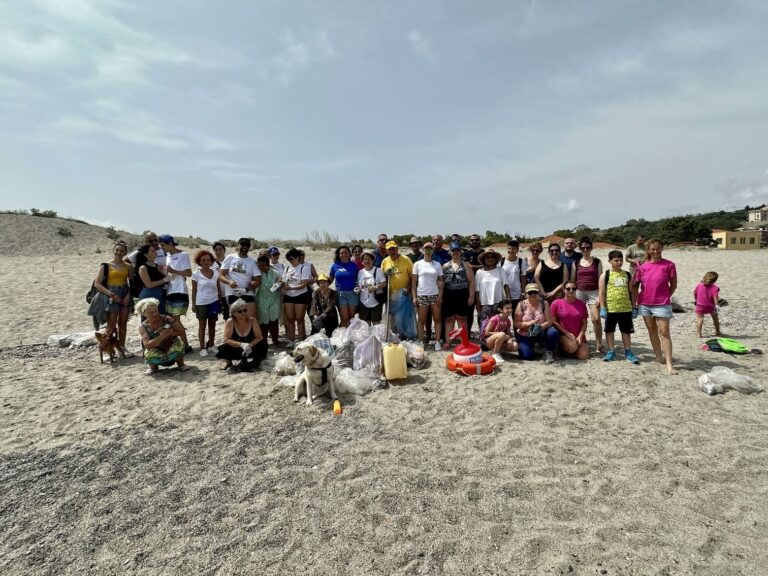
727	345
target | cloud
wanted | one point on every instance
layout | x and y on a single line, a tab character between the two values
741	192
570	206
420	44
136	126
301	51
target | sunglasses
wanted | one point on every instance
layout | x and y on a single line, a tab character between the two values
381	240
569	289
586	247
532	293
535	251
242	312
554	251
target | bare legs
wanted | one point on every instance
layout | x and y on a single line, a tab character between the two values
661	341
597	326
293	315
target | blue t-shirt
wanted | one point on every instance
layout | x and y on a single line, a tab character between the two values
442	256
345	275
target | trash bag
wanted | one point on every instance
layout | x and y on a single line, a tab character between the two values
380	331
358	330
76	339
289	381
345	354
284	365
403	314
323	342
415	354
721	378
349	382
339	336
368	354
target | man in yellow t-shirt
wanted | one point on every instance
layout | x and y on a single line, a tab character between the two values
398	269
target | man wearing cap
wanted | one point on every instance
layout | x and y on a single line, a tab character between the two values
416	253
440	254
274	261
178	268
398	270
381	249
240	276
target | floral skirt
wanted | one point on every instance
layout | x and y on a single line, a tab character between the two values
158	357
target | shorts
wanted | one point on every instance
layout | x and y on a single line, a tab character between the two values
699	310
120	292
455	303
247	298
206	311
176	304
588	297
623	319
663	311
300	299
348	298
370	314
426	300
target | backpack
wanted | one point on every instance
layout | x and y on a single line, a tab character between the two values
728	345
93	291
629	280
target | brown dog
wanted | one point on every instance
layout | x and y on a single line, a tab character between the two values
108	343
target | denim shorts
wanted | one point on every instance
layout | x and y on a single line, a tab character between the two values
348	298
664	311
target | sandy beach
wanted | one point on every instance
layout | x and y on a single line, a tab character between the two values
570	468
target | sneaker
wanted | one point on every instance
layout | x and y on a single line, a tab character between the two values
548	357
187	349
213	350
630	356
610	355
438	347
498	358
203	352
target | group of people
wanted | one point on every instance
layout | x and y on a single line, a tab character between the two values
521	303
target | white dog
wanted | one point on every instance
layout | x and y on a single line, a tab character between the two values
317	378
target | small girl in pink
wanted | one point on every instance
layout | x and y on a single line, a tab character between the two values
707	295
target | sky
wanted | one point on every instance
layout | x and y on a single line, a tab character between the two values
275	119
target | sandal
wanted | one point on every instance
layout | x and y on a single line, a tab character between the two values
151	371
184	368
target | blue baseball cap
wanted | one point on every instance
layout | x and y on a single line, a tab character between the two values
273	250
455	246
167	239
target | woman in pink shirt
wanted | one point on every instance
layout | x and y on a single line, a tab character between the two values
657	279
569	316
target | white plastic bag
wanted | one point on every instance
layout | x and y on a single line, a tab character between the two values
358	330
368	354
414	354
289	381
344	355
285	364
76	339
380	331
349	382
339	336
721	378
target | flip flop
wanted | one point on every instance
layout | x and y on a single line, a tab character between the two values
150	372
184	368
